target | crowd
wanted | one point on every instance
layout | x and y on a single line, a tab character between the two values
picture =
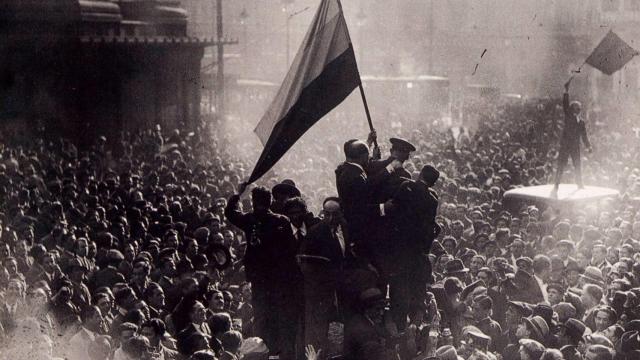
149	247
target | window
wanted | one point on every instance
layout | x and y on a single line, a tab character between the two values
610	5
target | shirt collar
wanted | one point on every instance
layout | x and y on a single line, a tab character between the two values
354	164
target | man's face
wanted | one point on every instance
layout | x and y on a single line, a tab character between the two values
478	312
49	262
512	316
521	331
449	247
149	333
554	296
602	321
517	248
599	255
214	226
126	335
11	266
157	298
105	305
82	249
296	215
476	263
563	252
456	230
400	155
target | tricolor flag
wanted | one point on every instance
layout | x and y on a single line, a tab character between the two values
611	54
322	75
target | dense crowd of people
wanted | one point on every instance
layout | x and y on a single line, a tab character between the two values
149	247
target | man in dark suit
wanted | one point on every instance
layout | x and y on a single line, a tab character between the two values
574	130
414	229
355	189
322	256
270	266
365	337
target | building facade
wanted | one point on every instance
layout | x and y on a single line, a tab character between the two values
98	67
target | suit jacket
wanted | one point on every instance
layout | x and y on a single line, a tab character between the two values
414	227
355	189
271	246
574	128
363	340
388	188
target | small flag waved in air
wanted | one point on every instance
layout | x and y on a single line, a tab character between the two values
323	73
611	54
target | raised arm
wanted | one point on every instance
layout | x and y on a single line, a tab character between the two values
234	214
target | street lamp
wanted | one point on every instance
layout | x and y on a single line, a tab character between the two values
289	17
244	15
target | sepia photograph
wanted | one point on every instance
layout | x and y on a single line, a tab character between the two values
319	180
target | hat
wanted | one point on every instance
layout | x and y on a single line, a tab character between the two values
467	253
286	189
220	256
545	311
565	311
570	352
402	145
484	301
557	286
75	263
114	255
371	297
429	174
575	329
524	262
567	243
538	326
455	266
593	275
437	249
447	352
522	308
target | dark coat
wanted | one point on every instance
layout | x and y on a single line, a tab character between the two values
363	340
271	247
414	227
574	129
355	189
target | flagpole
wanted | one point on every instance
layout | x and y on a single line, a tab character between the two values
364	98
366	110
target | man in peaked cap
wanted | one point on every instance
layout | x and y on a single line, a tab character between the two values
400	150
482	308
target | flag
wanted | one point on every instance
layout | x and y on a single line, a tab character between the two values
323	73
611	54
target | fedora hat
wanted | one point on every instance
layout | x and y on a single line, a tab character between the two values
593	275
454	267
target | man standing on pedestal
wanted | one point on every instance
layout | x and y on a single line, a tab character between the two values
574	130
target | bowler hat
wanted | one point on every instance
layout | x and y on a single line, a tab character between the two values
286	189
429	174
